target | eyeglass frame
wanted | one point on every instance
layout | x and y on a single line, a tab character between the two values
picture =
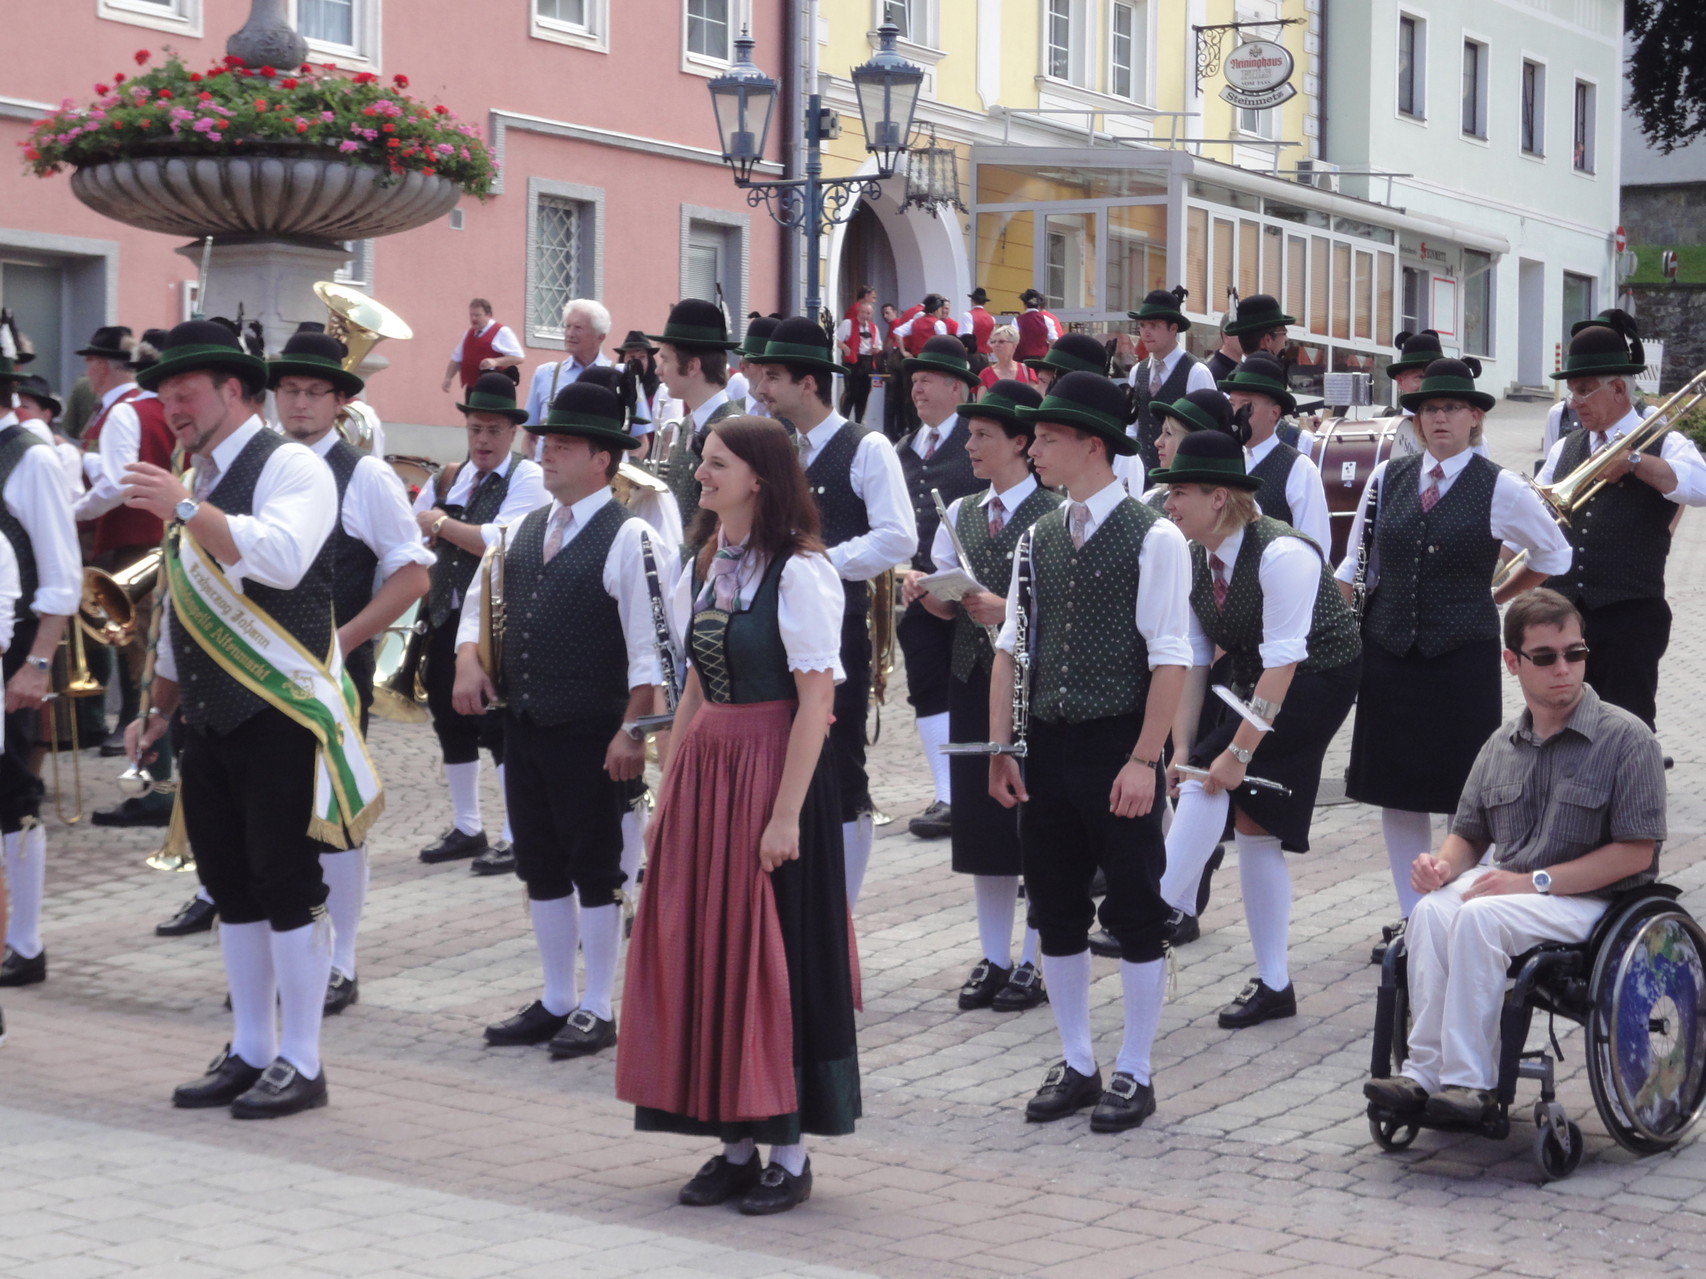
1574	655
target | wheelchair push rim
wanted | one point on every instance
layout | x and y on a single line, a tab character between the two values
1646	1032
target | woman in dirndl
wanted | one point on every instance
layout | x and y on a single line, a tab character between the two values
1427	535
738	1008
1268	624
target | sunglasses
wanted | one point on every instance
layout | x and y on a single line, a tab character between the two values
1545	657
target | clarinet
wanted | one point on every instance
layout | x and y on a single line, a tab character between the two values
1365	552
1018	747
666	650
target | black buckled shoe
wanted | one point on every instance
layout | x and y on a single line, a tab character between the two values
138	810
1389	933
499	859
1125	1104
1105	944
1064	1092
196	916
777	1190
720	1181
1024	989
341	992
1258	1002
1458	1105
583	1034
15	970
532	1025
1181	929
281	1091
984	984
228	1077
1400	1094
933	823
452	845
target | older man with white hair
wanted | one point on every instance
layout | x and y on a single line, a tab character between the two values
586	323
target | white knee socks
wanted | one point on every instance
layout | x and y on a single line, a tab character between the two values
508	835
346	876
1198	823
634	823
1028	951
1144	988
302	965
996	896
601	938
933	735
1408	836
1068	978
557	931
739	1152
793	1157
856	838
247	951
1266	884
26	877
464	783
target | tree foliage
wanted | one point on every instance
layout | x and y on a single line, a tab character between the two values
1667	69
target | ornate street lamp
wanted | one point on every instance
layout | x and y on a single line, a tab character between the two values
743	100
888	88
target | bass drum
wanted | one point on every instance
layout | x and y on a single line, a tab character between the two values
415	472
1347	451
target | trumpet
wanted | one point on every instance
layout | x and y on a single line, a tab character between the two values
110	602
493	613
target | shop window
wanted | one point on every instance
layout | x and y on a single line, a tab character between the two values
1341	290
1383	330
1272	260
1320	272
1363	290
1196	251
1220	265
1415	300
1249	260
1297	277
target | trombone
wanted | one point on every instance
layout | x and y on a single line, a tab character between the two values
79	683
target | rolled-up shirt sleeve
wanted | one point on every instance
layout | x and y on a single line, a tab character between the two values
625	580
298	503
120	444
35	495
877	478
1683	454
1520	518
1290	573
376	513
1164	595
809	608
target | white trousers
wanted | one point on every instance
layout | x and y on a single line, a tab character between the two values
1459	953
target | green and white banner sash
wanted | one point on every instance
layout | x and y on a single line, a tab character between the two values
267	660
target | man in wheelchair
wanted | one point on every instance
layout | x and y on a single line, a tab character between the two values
1571	796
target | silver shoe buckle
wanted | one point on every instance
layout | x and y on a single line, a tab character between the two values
1123	1086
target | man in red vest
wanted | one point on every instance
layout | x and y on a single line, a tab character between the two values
975	327
486	347
1038	328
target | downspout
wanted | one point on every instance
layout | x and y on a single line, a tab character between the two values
788	268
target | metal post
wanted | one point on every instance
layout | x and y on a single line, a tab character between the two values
814	207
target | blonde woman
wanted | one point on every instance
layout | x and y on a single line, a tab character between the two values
1003	361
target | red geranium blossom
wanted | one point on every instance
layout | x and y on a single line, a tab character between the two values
142	55
401	81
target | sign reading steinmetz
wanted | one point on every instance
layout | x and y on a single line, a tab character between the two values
1258	76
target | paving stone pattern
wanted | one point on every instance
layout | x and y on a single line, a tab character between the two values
441	1157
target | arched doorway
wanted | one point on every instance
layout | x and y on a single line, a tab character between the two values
906	253
866	258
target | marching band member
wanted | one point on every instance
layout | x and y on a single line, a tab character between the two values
743	927
1108	613
11	591
579	666
264	776
1069	353
742	390
461	514
487	347
868	527
35	518
1622	538
379	567
37	408
1291	490
695	350
1268	622
1038	328
979	325
1169	371
985	835
1430	675
1259	325
1195	411
933	458
1415	352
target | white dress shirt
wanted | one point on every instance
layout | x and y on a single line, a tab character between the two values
526	493
550	378
11	587
376	513
624	580
738	388
1519	518
1163	584
1303	493
69	455
942	552
865	339
1290	574
809	604
504	343
1674	447
296	508
1198	379
119	444
36	495
659	509
936	326
880	483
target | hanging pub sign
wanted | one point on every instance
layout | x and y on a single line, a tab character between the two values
1258	76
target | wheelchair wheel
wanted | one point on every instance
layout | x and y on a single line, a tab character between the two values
1550	1152
1390	1132
1646	1030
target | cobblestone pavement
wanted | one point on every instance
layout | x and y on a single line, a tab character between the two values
440	1157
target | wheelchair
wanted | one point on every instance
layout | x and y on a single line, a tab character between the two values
1637	986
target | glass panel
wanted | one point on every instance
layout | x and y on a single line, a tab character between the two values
1383	271
329	21
1296	274
1272	239
1006	252
1318	276
1364	295
570	12
1341	290
1249	260
708	28
1308	363
898	12
1407	102
1220	266
1196	252
1071	260
556	263
997	184
1120	52
1225	196
1137	255
1058	49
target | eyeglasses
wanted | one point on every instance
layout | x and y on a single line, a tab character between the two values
1574	655
1442	408
304	393
1581	397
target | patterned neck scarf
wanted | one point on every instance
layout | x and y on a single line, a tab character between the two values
723	582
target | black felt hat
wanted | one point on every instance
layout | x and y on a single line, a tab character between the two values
316	355
1610	318
979	295
636	341
109	343
1163	304
35	386
1198	411
1002	402
588	410
694	322
1450	380
757	336
1072	353
1415	351
1261	374
1208	457
1602	351
1089	402
195	345
798	340
1258	313
494	393
942	354
147	352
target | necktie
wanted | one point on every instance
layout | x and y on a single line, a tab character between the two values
1154	377
803	447
1077	522
997	516
474	488
1430	495
206	476
1217	566
1600	440
929	444
561	518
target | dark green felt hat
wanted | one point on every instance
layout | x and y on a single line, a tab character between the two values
590	411
493	393
1258	313
316	355
1450	380
1003	401
1415	351
1208	457
1602	351
695	322
1261	374
1089	402
1162	304
196	345
1072	353
1198	411
942	354
799	341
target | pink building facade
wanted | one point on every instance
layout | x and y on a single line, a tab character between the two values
611	185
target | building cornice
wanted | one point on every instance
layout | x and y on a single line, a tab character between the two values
501	122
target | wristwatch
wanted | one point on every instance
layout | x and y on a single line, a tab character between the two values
634	731
1542	882
40	663
1239	753
186	509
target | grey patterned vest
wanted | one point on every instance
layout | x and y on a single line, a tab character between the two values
1621	540
1273	470
1237	628
1173	388
13	441
565	656
1092	662
351	560
844	514
1436	569
211	699
456	567
990	561
949	471
683	461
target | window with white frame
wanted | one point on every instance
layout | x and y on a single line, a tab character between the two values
1062	39
709	29
180	17
1533	108
900	12
713	259
562	252
1582	145
1128	49
1474	89
584	23
1412	66
340	31
358	271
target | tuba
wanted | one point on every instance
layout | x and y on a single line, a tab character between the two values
631	479
361	324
